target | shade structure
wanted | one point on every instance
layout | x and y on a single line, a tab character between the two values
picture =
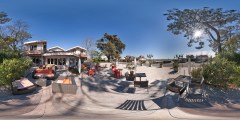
142	59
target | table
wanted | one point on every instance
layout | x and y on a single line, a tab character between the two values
140	75
186	80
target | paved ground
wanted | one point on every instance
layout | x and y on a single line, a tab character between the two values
105	97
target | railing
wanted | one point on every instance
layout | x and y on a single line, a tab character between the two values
35	52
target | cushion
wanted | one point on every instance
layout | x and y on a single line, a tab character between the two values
23	83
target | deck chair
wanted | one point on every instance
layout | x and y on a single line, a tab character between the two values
173	87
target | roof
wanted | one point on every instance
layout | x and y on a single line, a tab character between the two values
76	47
36	41
55	48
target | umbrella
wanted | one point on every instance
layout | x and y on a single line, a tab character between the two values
79	65
135	63
142	59
189	65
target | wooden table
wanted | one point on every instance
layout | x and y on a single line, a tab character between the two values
140	75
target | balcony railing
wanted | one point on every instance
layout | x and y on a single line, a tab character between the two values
35	52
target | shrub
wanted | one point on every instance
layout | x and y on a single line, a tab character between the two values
196	73
12	69
219	72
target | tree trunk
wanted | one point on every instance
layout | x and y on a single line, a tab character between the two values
218	39
219	46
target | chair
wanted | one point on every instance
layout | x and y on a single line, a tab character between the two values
118	73
129	77
195	88
91	72
173	87
196	84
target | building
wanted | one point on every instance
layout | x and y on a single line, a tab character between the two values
37	50
201	58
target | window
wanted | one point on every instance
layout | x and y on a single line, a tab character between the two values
64	61
55	61
33	47
45	47
60	61
51	61
48	61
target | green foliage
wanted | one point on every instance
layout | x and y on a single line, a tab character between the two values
4	18
111	46
96	57
196	73
231	56
175	64
220	72
8	55
130	66
12	69
211	21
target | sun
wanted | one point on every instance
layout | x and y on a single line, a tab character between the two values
197	34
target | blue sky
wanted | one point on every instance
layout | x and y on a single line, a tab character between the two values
140	24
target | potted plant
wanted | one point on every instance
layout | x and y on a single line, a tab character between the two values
160	64
150	62
175	66
131	67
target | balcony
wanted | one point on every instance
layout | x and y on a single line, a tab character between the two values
83	55
35	52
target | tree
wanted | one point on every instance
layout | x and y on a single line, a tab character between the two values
233	45
4	18
219	25
18	31
89	44
14	36
111	46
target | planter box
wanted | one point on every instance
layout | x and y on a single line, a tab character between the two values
58	87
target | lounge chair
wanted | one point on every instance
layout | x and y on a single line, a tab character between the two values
22	86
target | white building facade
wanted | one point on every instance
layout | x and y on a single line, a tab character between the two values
37	50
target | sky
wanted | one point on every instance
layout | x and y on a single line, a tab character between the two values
140	24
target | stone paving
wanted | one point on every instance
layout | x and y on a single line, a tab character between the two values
105	97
